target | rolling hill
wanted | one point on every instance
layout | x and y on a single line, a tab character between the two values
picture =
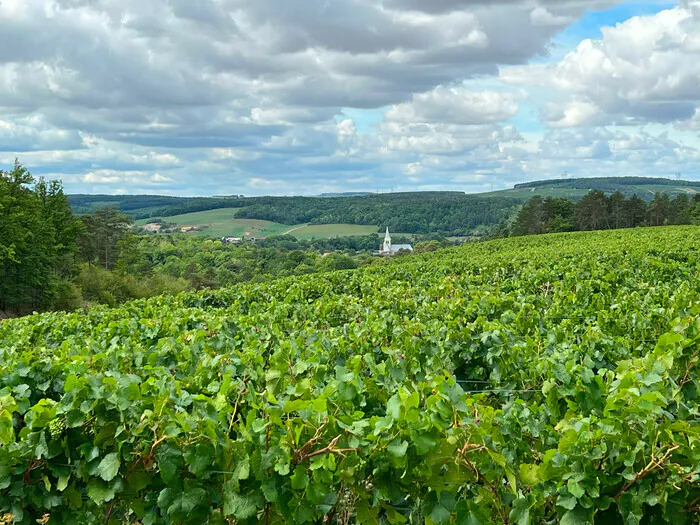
644	187
447	213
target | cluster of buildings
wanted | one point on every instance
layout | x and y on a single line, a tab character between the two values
234	240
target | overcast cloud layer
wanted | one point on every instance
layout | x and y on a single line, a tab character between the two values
203	97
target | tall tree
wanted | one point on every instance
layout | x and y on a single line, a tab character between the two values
617	211
99	242
659	209
635	212
530	220
37	239
592	211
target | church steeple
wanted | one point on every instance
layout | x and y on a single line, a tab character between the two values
387	241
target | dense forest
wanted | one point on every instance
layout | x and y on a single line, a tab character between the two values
597	211
38	241
448	213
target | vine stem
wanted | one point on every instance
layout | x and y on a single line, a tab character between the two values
653	464
691	507
693	362
471	447
109	512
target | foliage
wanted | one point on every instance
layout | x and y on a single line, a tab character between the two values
597	211
37	240
528	380
453	213
50	259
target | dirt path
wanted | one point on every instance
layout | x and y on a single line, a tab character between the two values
295	229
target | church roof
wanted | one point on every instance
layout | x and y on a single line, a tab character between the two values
397	247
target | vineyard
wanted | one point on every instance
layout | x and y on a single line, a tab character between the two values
536	380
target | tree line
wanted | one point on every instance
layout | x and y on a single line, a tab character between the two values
444	213
38	241
598	211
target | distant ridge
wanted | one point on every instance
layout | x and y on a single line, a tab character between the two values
346	194
604	181
644	187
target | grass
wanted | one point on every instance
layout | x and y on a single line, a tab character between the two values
223	223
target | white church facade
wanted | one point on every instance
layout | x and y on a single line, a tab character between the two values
387	249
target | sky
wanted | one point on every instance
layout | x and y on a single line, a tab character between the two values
302	97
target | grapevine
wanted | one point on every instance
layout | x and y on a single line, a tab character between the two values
527	380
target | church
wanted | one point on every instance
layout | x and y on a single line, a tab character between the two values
387	249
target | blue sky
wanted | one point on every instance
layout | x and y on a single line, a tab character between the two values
285	97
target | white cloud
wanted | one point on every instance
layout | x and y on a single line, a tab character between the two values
250	96
455	105
646	69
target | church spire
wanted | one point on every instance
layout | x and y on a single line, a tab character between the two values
387	241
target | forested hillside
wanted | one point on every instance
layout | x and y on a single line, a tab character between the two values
643	187
452	213
597	211
530	380
446	213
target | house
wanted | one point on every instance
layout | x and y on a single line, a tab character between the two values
231	240
387	249
153	227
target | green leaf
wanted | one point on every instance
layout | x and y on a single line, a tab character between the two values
397	448
567	501
199	458
109	466
71	383
62	483
393	407
7	432
177	503
575	488
99	491
239	506
521	512
300	478
577	516
529	474
424	443
169	462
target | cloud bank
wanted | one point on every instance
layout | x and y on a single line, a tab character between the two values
274	96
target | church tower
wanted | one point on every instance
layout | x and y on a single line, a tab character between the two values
387	241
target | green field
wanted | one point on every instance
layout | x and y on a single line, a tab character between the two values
218	216
223	222
531	380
